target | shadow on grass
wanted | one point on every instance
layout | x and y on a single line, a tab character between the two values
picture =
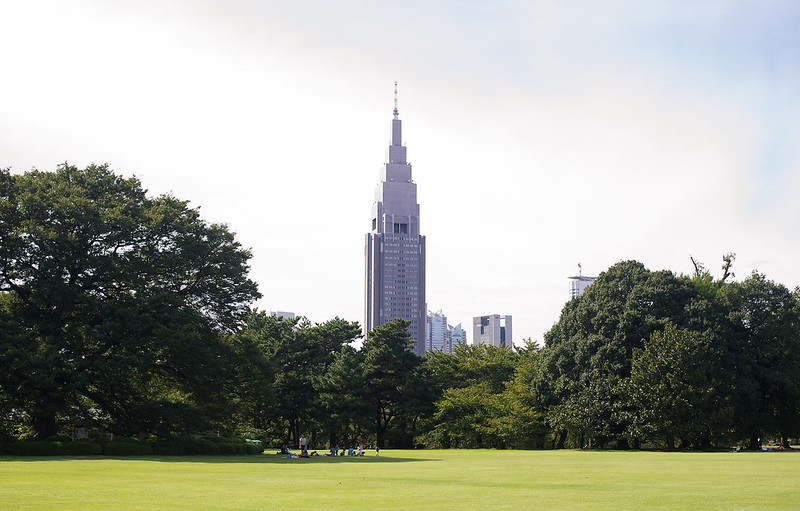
254	459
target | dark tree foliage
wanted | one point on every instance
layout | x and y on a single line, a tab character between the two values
483	399
114	301
348	416
390	372
763	349
291	362
256	345
673	389
587	354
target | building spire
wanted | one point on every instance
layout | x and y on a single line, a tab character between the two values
396	113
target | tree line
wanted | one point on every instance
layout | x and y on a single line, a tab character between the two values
129	314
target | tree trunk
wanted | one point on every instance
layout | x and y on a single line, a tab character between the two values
670	441
379	434
755	443
294	432
44	425
785	442
562	438
379	429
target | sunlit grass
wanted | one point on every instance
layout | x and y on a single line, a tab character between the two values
424	480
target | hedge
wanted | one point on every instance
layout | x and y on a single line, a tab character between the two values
132	447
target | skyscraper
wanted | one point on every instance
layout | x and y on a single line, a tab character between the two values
438	333
579	283
494	330
394	249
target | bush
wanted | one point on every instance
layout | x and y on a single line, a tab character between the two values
127	447
254	449
34	448
81	447
228	446
184	445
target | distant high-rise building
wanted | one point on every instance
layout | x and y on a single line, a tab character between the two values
282	314
438	333
494	330
579	283
394	249
457	336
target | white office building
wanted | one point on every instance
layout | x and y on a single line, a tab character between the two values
494	330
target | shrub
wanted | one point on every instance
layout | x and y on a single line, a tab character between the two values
184	445
127	447
254	449
34	448
227	448
235	445
81	447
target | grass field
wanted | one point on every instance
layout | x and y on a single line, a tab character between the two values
401	480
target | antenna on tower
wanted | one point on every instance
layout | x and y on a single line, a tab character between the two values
396	113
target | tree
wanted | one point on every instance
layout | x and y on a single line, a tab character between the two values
389	367
673	388
118	298
341	396
587	353
763	356
301	353
255	345
475	406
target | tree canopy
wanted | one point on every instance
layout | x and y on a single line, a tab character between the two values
114	300
131	314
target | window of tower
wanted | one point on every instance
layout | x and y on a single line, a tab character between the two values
400	228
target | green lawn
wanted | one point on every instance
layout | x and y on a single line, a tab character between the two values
401	480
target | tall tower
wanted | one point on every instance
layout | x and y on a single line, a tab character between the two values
394	249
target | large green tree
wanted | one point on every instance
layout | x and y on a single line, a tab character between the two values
117	300
390	371
474	407
673	389
301	354
763	350
587	353
347	415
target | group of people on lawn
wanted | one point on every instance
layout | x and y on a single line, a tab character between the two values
335	451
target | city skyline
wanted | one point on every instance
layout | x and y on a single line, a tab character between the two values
543	134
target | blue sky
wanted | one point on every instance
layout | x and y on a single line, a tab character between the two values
542	134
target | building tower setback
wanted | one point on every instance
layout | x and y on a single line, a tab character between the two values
394	248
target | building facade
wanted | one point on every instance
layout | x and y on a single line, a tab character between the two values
395	249
438	333
578	284
282	314
494	330
457	336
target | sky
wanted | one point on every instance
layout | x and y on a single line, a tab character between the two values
542	134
